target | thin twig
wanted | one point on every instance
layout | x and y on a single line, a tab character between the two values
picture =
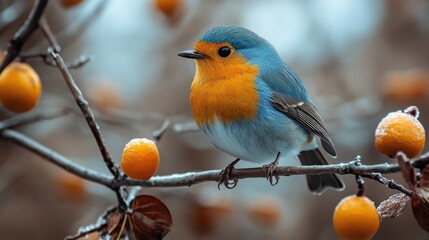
26	30
361	185
82	103
46	30
156	135
185	127
80	62
25	119
390	183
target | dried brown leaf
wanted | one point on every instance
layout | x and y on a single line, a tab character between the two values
393	206
420	206
91	236
150	218
424	179
114	220
407	170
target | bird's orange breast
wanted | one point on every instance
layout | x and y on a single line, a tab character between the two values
224	90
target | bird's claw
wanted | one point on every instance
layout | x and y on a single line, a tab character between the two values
225	176
269	169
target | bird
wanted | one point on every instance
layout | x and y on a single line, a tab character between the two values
251	105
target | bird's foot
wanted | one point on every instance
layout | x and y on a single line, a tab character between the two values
225	178
269	168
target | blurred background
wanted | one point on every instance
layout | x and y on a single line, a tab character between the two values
358	59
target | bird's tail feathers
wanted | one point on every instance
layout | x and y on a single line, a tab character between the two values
319	183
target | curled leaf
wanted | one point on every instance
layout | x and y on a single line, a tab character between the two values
421	209
114	220
407	170
150	218
424	179
420	200
393	206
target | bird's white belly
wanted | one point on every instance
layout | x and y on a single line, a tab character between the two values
249	143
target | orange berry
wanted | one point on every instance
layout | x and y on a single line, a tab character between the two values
71	186
20	87
168	7
140	159
70	3
105	96
265	211
1	56
207	216
400	131
406	85
356	218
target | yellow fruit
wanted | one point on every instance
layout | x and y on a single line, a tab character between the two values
206	217
105	96
71	186
400	131
70	3
356	218
408	85
20	87
168	7
265	211
140	159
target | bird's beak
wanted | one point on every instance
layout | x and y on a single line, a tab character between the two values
194	54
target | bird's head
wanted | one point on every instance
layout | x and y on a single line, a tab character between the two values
224	51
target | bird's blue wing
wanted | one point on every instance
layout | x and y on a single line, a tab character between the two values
289	97
284	81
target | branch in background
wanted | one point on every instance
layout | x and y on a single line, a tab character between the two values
80	62
47	32
71	65
156	135
26	30
186	127
25	119
81	101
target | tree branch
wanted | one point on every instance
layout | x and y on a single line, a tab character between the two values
192	178
25	119
54	157
26	30
80	100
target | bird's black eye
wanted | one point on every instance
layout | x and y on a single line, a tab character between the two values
224	51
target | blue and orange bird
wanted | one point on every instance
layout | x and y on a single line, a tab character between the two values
251	105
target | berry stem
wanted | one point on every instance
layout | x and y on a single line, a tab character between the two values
361	188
